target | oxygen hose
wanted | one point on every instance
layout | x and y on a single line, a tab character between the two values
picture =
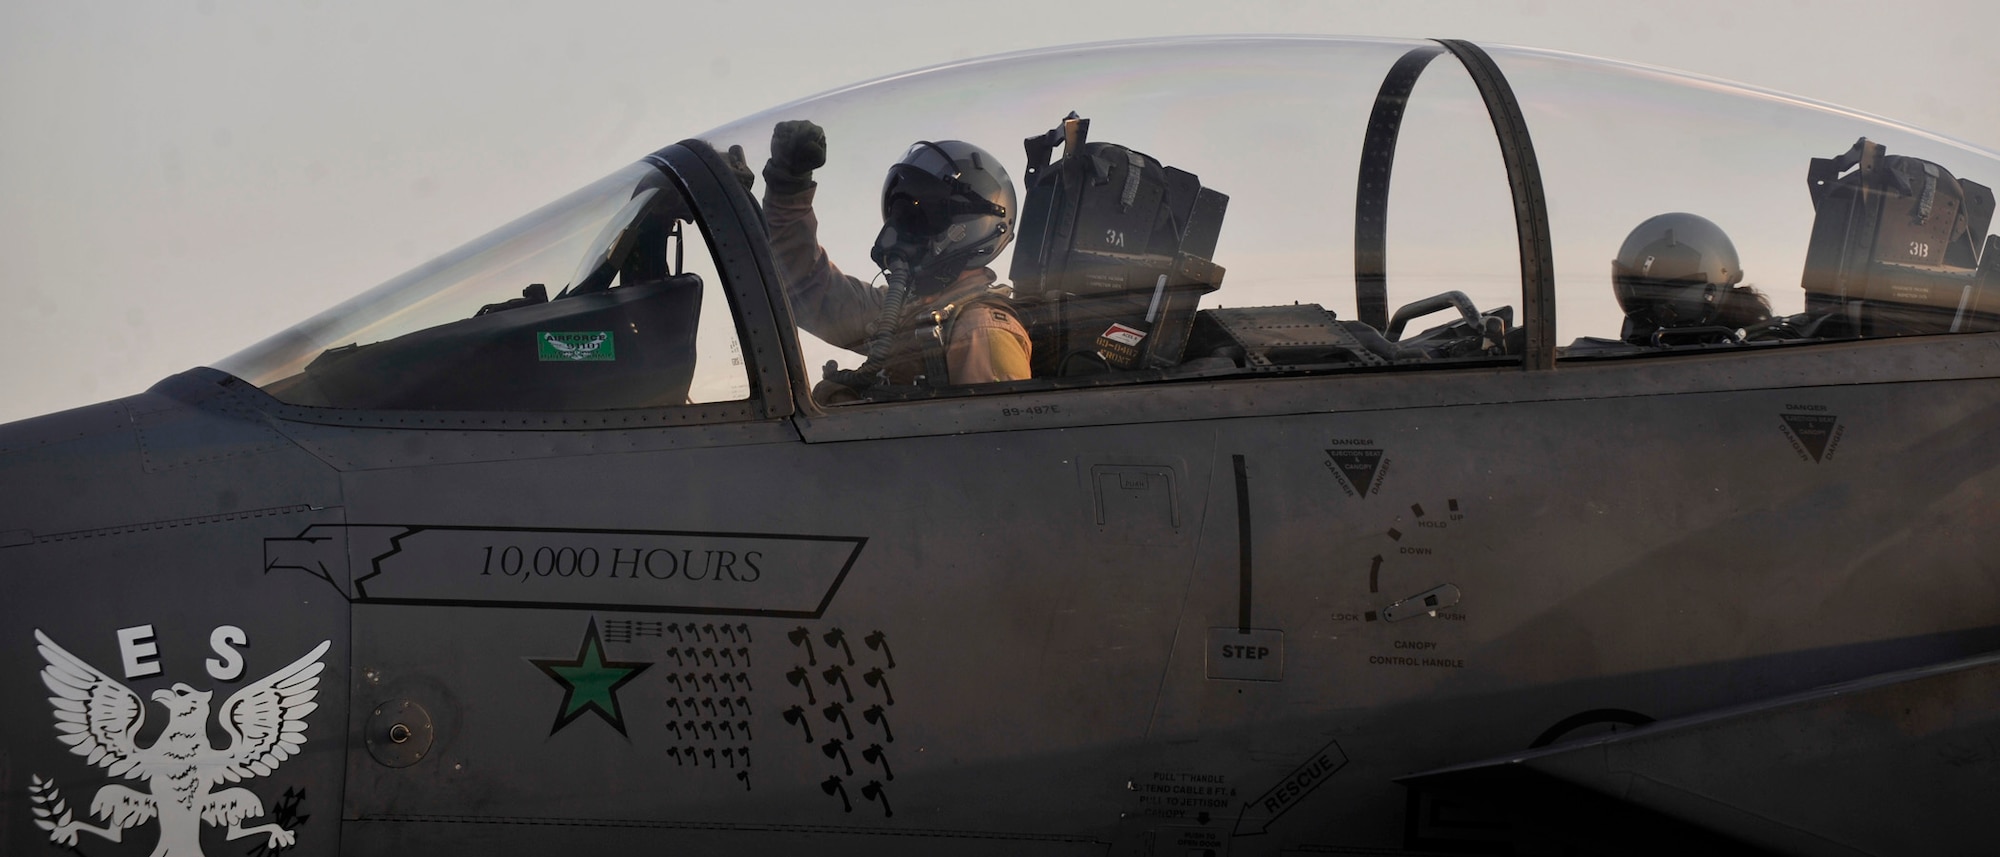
881	338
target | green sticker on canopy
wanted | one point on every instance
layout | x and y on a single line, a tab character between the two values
575	346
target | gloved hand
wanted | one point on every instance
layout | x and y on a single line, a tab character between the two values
740	168
839	386
798	146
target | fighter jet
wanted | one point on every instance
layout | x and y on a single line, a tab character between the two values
1241	446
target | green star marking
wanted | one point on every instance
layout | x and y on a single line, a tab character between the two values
590	683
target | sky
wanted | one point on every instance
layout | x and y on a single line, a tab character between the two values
179	180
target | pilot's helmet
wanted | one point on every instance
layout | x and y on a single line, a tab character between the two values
947	206
1675	270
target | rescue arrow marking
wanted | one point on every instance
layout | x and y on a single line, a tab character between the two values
1292	790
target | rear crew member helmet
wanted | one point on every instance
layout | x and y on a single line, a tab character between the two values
1675	270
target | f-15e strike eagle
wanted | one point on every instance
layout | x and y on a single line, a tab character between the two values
1383	446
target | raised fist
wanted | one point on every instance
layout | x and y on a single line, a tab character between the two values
798	146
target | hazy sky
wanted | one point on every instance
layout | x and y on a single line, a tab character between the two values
180	179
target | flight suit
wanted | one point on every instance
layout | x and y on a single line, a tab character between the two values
982	337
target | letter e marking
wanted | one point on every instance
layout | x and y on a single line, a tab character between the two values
139	652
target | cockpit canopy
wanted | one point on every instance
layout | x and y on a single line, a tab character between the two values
1204	208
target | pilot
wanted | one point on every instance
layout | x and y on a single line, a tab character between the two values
1679	272
948	210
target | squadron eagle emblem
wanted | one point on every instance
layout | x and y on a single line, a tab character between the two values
100	719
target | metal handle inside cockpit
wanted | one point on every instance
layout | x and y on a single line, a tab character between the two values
1419	309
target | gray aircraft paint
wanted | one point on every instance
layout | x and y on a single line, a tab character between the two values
1020	652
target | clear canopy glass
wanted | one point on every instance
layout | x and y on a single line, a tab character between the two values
593	302
1275	124
1887	238
1621	143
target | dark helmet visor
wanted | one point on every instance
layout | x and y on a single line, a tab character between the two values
921	203
916	202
